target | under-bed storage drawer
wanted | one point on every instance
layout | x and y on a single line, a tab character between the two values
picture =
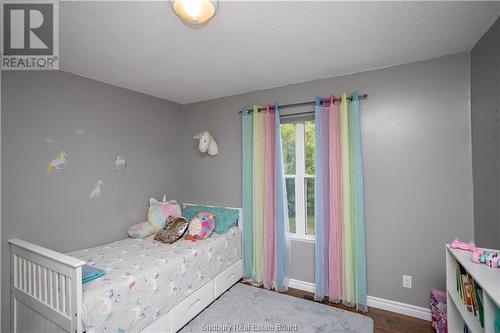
227	278
188	308
161	324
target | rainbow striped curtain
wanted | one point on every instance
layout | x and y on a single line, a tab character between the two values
340	266
264	199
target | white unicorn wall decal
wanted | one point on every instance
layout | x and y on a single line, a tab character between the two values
207	143
96	192
57	163
120	163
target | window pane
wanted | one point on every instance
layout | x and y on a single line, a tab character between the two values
288	142
290	194
309	146
309	192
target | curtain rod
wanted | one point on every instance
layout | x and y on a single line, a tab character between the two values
294	105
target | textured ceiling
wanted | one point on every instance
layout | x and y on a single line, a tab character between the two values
248	46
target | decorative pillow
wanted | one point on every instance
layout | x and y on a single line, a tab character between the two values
160	211
201	226
141	230
226	217
174	229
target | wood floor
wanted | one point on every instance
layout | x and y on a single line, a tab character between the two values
384	321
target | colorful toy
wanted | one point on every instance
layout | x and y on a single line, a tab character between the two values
456	244
482	257
493	260
201	226
478	256
158	213
141	230
438	310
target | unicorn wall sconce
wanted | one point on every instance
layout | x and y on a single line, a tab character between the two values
207	143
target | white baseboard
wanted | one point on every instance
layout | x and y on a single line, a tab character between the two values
301	285
375	302
398	307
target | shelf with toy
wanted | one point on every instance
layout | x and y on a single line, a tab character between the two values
471	287
488	278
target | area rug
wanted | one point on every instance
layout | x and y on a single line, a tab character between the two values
245	308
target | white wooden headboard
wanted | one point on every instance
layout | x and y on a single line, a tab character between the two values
240	211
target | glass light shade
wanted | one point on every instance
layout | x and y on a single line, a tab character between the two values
195	11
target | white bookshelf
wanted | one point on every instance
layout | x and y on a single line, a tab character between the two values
487	278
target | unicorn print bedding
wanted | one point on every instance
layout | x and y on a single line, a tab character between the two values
145	278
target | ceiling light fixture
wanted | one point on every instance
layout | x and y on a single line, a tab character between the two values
195	11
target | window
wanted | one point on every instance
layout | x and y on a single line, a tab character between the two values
298	141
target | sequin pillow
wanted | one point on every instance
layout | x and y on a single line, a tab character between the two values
201	226
173	230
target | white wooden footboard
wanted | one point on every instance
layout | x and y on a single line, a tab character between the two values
46	290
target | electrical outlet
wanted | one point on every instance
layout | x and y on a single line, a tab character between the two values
407	281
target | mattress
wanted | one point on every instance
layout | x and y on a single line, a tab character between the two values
145	278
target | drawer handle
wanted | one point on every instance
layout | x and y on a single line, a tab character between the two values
194	303
230	276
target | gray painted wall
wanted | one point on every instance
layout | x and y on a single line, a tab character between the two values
417	167
55	210
416	150
485	106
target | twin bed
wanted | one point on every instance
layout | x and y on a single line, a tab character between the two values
148	286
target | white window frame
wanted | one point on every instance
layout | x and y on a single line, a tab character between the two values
300	177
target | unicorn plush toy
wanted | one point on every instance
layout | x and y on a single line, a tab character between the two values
158	213
207	143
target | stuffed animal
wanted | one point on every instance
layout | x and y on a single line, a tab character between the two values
478	256
141	230
201	226
467	246
207	143
158	213
493	260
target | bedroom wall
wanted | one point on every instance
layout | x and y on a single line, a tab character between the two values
485	108
417	167
54	210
